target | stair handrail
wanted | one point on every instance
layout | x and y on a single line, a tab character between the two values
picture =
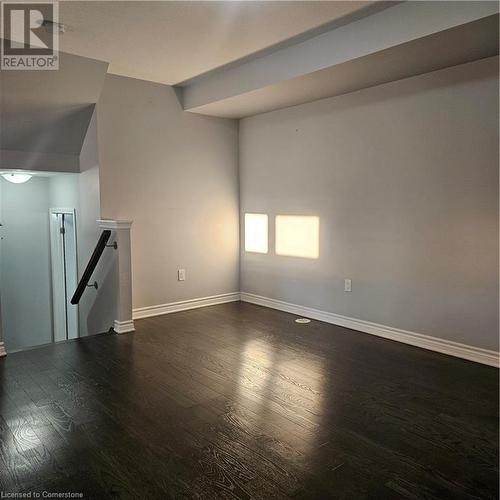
92	264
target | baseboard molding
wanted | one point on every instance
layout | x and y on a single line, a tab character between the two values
456	349
3	352
184	305
124	326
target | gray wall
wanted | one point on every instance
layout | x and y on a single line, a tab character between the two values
404	178
25	263
97	308
25	272
175	175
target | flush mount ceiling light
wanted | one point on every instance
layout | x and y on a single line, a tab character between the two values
17	178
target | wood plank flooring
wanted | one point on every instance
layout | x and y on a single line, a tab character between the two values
237	402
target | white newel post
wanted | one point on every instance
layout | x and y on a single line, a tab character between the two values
121	234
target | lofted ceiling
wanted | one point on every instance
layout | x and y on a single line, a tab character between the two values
238	58
172	41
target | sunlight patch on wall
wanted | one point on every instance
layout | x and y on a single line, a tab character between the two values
297	236
256	233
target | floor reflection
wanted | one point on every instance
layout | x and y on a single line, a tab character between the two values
238	401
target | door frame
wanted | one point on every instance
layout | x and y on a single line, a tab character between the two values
58	284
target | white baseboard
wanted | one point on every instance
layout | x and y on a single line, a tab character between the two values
3	352
184	305
456	349
124	326
468	352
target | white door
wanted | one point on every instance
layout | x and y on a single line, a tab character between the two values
64	272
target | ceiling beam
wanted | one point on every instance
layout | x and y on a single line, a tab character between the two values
399	24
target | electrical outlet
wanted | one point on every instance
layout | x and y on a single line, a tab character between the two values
181	275
347	285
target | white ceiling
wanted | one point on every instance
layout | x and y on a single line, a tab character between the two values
172	41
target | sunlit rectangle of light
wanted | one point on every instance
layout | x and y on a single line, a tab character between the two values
256	233
297	236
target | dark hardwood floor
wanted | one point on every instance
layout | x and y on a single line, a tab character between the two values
238	401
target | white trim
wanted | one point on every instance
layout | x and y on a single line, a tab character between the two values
471	353
114	224
57	274
456	349
183	305
124	326
3	352
69	211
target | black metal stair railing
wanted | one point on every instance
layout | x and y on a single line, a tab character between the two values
94	260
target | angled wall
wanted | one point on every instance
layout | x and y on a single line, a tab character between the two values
44	115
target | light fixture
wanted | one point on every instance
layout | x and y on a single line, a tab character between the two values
17	178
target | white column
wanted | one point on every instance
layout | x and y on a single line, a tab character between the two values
121	234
